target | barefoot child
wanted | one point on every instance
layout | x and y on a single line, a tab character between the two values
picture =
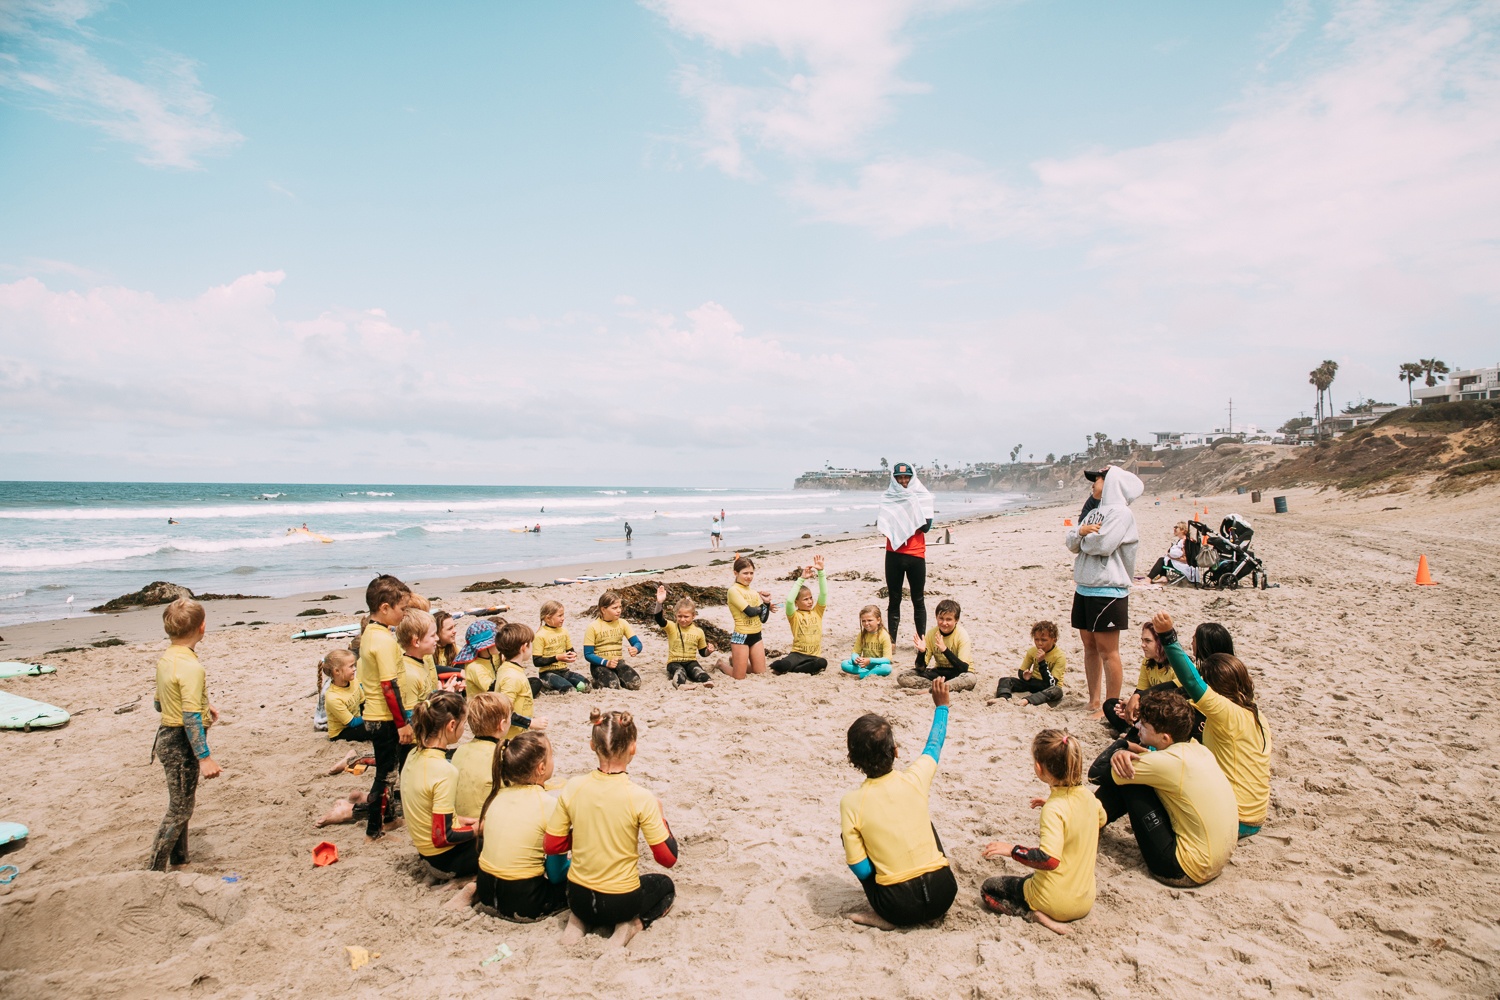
604	646
749	609
488	715
379	674
518	880
342	700
945	652
1041	673
805	616
1221	688
1062	888
685	641
599	817
553	655
872	646
889	841
182	738
429	789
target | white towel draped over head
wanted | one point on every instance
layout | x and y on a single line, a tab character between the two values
903	510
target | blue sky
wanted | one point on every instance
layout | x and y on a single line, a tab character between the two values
719	242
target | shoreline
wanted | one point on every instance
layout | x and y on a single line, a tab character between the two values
75	634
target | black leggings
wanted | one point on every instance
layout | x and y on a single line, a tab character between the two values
461	860
918	900
899	566
354	734
599	909
1036	690
1148	821
390	756
522	899
799	663
685	672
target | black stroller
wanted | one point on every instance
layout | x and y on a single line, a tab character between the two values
1226	558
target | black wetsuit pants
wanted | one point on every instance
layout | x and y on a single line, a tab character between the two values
1148	821
600	909
901	569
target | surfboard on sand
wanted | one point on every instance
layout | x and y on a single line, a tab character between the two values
25	669
11	833
23	713
320	633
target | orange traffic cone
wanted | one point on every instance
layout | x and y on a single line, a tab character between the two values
1424	575
1067	522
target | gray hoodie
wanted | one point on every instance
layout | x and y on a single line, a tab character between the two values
1107	557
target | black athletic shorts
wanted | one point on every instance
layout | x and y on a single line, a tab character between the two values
918	900
522	900
1100	614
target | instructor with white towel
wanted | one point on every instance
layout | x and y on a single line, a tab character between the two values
905	518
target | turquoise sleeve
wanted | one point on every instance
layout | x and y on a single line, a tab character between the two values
863	870
192	725
556	867
1187	674
938	733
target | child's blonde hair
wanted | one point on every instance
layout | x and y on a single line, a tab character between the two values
685	604
334	658
417	601
489	713
182	617
547	610
872	610
613	732
1060	756
413	625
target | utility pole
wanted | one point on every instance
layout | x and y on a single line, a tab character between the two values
1231	414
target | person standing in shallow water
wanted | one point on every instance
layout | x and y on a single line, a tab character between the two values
905	518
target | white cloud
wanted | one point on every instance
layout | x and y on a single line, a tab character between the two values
838	73
53	63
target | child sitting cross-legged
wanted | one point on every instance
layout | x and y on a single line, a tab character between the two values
804	614
890	843
1041	673
945	652
685	641
1062	886
872	646
552	652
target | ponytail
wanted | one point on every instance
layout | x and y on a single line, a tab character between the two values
433	715
515	761
613	733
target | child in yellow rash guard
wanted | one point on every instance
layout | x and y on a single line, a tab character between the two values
945	652
488	714
553	655
379	675
517	879
685	641
1062	886
429	787
604	646
182	738
872	646
344	703
600	817
1235	732
889	841
514	643
1155	675
805	616
1041	674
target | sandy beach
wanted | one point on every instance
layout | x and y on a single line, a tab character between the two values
1376	873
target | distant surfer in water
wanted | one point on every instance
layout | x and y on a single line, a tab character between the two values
628	532
173	520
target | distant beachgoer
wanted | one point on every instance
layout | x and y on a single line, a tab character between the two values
628	532
1104	541
905	517
716	534
304	525
173	520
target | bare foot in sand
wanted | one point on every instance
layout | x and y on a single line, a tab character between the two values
463	898
342	812
343	765
1050	924
624	932
575	930
869	918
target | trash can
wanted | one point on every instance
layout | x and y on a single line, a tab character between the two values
1255	496
1239	489
1280	503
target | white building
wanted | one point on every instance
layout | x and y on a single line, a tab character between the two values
1467	383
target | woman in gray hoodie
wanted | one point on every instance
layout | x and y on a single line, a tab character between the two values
1104	543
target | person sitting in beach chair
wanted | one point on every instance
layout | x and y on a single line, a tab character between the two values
1178	565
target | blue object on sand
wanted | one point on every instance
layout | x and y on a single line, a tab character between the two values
10	833
23	713
11	669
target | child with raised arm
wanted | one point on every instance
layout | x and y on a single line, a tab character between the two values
685	641
552	652
518	880
604	645
1182	808
379	672
488	715
1234	731
1041	673
749	609
429	789
600	818
872	646
1061	887
805	616
182	737
890	843
945	652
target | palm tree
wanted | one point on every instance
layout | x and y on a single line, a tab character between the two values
1434	369
1410	372
884	464
1321	378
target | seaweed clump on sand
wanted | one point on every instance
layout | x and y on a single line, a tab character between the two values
491	586
638	604
162	592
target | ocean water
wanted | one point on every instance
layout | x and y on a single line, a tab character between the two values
95	541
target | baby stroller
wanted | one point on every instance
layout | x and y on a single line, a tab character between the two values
1226	557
